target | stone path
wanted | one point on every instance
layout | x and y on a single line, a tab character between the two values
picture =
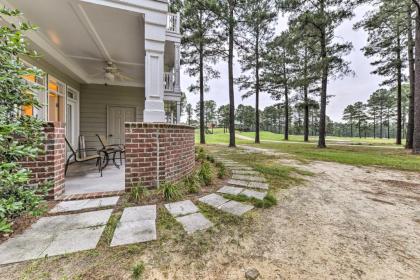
67	233
76	205
51	236
137	224
187	214
243	191
225	205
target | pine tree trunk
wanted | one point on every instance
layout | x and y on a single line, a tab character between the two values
374	126
411	74
399	93
202	129
324	83
286	113
257	91
416	132
231	90
306	103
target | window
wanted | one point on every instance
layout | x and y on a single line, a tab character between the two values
56	100
38	81
170	111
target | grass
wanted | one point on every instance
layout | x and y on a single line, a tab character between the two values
219	136
370	152
267	202
137	271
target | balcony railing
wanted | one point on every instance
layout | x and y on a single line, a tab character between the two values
173	23
169	81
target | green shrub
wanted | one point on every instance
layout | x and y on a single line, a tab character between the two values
170	191
137	270
20	135
221	172
205	173
200	154
210	158
138	193
192	183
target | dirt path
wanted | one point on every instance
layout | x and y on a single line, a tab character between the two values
345	223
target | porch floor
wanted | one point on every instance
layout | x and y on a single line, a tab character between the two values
83	178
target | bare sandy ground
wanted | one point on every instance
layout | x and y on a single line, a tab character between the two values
345	223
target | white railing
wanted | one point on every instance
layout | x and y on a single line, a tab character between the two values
173	22
168	79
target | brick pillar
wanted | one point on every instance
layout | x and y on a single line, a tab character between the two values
49	165
157	152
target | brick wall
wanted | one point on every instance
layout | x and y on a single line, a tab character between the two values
158	152
49	165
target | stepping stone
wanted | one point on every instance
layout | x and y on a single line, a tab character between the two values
181	208
137	224
194	222
245	172
214	200
235	208
254	194
75	205
253	185
230	190
248	178
57	235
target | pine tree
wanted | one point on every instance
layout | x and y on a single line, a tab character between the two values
255	31
223	116
324	16
200	49
416	131
349	115
189	111
277	74
387	40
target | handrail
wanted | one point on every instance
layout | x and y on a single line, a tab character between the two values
173	22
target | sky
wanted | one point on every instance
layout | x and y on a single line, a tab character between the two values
346	91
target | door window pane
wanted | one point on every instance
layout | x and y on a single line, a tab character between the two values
56	100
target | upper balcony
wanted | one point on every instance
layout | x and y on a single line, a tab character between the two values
173	23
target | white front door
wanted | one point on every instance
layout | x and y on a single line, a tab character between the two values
117	117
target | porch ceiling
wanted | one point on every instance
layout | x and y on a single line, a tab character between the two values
87	35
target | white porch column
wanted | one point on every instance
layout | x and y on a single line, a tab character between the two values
178	112
153	106
177	56
154	46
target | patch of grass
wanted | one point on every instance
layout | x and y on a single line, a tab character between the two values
205	173
218	217
267	202
170	191
192	183
200	154
221	170
210	158
167	226
137	270
110	227
394	158
138	192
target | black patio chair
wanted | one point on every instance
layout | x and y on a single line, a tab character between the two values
111	149
75	155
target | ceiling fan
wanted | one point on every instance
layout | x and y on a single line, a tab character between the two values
112	72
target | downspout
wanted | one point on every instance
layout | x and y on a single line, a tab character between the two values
158	159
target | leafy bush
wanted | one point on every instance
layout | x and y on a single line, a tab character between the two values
138	193
192	183
200	154
20	135
170	191
210	158
221	173
205	173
